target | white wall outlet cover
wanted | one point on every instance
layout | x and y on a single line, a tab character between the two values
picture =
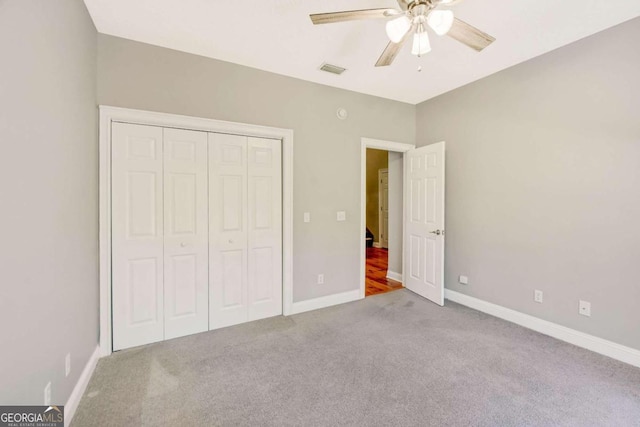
320	279
341	216
342	113
538	296
307	217
585	308
463	280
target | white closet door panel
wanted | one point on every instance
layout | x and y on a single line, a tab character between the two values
228	230
137	235
265	228
186	260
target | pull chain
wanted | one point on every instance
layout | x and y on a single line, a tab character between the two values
420	29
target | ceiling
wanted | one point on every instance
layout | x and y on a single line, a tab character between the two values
278	36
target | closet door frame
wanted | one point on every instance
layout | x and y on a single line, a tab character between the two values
109	115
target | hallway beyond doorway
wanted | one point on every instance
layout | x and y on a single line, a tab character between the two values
376	281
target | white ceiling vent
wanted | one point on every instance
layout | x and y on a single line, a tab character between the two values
334	69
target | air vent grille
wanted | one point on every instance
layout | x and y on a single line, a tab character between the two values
334	69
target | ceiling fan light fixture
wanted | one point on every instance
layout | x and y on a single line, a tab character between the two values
411	20
421	44
440	21
398	28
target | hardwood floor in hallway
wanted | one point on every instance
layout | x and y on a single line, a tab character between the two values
376	281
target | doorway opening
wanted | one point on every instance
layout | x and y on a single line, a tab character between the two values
383	221
422	219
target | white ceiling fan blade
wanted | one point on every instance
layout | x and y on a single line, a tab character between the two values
352	15
469	35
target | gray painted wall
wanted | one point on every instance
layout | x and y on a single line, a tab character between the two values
49	188
395	211
543	184
326	149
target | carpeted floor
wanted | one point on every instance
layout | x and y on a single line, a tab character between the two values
391	359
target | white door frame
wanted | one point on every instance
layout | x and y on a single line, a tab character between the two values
378	144
380	216
115	114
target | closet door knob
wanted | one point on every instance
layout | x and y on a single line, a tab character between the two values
183	244
230	241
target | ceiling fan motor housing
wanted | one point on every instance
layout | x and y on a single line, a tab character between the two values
431	4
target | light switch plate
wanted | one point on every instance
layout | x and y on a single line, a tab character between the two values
463	280
307	217
341	216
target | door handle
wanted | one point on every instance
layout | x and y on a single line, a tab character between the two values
437	232
183	244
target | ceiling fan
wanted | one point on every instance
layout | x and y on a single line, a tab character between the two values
413	18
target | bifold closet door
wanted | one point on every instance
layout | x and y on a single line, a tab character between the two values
186	271
265	228
137	235
227	230
159	234
245	222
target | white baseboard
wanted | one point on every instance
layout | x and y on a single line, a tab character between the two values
328	301
607	348
74	400
394	276
377	245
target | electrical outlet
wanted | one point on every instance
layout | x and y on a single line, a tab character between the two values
307	217
341	216
320	279
585	308
463	280
47	394
67	365
537	296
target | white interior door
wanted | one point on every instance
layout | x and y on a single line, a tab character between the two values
228	235
186	270
424	221
265	228
137	235
383	210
